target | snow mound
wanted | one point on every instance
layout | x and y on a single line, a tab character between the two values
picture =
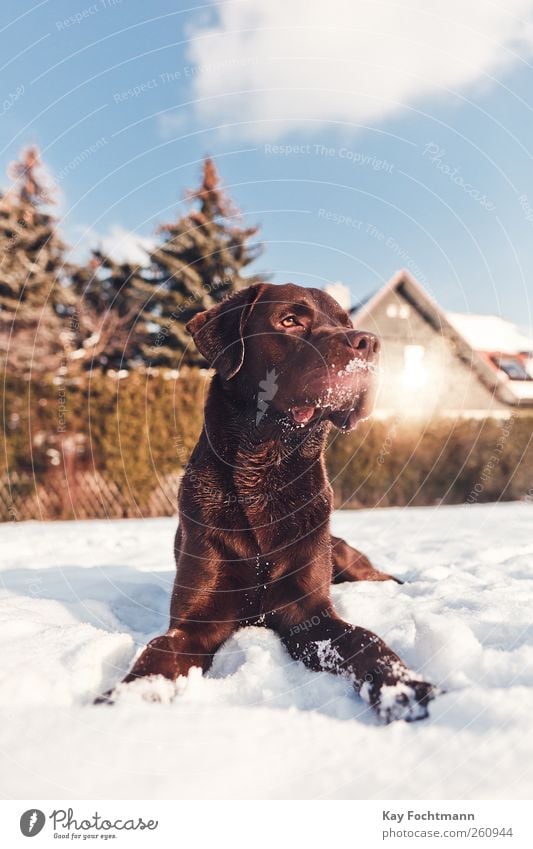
79	600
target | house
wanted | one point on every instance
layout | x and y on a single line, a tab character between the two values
438	363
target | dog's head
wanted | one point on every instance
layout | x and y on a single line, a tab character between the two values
290	350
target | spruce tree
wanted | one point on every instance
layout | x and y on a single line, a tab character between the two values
33	294
109	313
131	314
199	262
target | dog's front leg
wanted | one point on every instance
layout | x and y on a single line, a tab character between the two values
204	613
324	642
176	652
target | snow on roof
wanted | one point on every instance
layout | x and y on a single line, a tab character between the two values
490	333
523	389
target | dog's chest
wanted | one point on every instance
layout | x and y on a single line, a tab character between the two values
280	501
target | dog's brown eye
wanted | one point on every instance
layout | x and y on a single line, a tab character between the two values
290	321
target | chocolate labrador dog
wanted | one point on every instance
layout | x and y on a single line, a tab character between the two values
254	545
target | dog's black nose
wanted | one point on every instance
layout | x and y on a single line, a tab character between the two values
365	344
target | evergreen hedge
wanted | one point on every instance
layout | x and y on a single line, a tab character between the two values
443	461
137	429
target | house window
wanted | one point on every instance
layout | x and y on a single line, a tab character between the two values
395	311
414	368
513	367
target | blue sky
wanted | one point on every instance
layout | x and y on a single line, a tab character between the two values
362	137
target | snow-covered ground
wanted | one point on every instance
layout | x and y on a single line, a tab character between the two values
78	599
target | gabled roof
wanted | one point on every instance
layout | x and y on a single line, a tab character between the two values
414	293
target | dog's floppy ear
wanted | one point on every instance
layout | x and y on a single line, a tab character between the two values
218	332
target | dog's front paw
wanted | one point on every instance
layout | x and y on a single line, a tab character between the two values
155	689
406	699
157	661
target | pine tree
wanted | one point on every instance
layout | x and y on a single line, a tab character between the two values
33	295
109	314
200	260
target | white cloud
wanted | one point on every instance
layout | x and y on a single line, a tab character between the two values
120	244
341	293
123	246
279	63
